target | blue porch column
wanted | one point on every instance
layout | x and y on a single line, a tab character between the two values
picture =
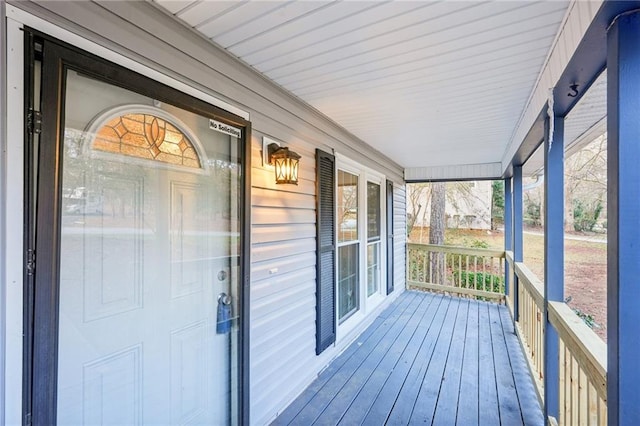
517	247
508	229
553	257
623	215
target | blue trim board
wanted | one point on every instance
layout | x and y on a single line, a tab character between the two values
508	226
623	214
517	236
553	258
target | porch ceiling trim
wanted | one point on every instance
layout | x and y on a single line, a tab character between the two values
454	172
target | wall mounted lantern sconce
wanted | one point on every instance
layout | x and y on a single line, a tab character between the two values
285	162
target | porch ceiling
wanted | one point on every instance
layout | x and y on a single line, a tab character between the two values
426	83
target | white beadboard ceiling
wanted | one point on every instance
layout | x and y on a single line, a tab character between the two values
428	83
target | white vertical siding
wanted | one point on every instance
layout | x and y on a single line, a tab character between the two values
282	289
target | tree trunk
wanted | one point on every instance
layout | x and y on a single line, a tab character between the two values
568	209
436	230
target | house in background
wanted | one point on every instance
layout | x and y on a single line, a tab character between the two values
468	206
153	270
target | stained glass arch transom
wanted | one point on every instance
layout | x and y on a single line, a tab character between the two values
147	133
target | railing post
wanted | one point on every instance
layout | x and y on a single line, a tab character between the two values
508	231
553	256
623	215
517	237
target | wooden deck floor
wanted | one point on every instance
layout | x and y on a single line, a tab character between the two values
427	359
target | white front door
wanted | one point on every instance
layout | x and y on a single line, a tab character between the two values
148	261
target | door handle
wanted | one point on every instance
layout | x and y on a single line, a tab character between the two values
223	315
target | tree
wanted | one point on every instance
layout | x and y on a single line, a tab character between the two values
497	203
416	191
437	224
586	182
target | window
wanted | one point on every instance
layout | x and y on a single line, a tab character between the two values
348	245
360	246
373	238
351	221
143	134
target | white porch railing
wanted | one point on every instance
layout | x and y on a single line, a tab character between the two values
463	271
583	355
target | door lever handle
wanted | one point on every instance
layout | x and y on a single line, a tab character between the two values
224	299
223	315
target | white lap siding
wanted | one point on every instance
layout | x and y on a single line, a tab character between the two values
282	283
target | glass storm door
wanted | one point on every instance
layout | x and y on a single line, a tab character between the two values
148	275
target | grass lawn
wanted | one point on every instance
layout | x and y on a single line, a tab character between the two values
585	273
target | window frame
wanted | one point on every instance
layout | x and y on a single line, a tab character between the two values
367	304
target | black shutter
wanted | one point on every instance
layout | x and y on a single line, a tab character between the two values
389	236
325	251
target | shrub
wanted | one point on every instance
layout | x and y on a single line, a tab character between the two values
532	213
585	216
479	244
482	279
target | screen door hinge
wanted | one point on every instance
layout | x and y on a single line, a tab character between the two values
31	261
27	419
34	121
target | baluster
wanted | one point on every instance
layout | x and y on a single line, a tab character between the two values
484	272
592	397
467	270
459	271
583	398
491	289
561	390
574	390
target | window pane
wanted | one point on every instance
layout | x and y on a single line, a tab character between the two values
373	268
373	211
347	206
347	281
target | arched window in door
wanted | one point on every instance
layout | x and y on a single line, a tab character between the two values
146	134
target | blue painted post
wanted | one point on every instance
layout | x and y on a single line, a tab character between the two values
508	231
623	215
517	233
553	258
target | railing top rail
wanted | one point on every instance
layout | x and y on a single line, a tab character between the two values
457	250
532	283
509	256
585	345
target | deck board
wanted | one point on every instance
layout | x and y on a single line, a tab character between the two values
467	408
508	406
445	409
406	400
427	359
371	336
425	405
381	358
396	360
318	403
391	391
488	393
531	413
